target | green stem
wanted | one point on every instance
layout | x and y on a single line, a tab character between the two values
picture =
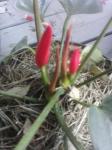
38	25
26	139
93	48
6	94
84	104
44	75
67	131
94	78
65	82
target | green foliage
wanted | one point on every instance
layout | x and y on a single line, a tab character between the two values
100	124
107	106
99	117
94	59
94	111
25	5
19	91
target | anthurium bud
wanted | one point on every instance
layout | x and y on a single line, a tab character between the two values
74	61
43	47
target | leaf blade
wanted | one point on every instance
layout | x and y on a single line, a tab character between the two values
100	127
19	91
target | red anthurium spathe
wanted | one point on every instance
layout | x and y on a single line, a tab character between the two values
74	61
43	47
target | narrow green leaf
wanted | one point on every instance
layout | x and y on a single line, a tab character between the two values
5	94
26	139
93	48
19	91
87	57
94	78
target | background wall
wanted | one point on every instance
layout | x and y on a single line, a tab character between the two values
14	26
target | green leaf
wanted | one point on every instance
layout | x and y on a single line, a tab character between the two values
10	94
95	58
26	139
26	5
106	106
100	125
75	6
19	91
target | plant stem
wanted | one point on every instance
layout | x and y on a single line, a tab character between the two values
63	39
26	139
93	48
37	18
84	104
55	78
94	78
44	75
67	131
5	93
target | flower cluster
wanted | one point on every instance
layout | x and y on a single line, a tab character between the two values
70	60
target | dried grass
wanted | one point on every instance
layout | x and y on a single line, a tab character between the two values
16	116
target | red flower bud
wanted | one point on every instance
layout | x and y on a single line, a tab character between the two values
74	61
43	47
